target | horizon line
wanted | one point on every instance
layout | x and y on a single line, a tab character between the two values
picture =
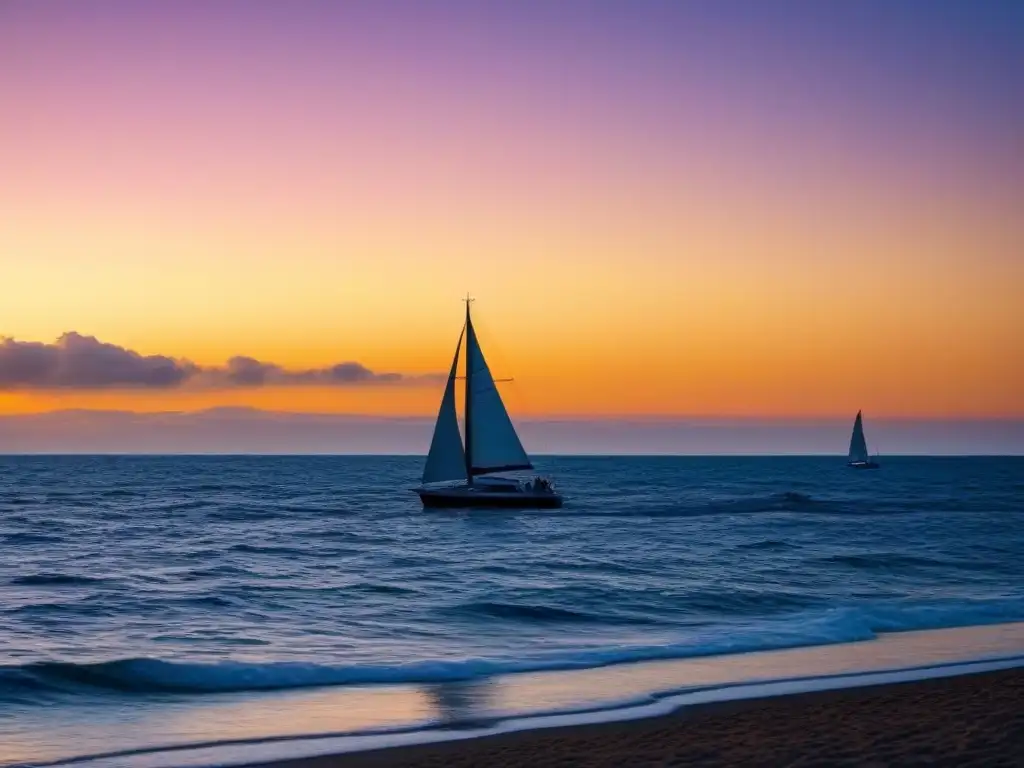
214	454
552	417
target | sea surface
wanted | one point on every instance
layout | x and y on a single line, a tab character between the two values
164	583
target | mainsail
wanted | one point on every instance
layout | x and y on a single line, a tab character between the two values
858	445
491	440
447	459
492	444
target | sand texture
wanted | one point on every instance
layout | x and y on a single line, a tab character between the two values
975	720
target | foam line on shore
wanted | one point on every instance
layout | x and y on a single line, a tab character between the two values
268	751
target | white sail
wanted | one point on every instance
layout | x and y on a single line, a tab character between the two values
492	440
858	445
447	459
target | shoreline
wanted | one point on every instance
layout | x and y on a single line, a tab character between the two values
289	727
966	719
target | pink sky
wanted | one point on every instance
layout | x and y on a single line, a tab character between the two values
791	208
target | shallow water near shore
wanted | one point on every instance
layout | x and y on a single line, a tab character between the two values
230	729
144	598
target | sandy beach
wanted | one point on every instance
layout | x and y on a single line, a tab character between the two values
972	720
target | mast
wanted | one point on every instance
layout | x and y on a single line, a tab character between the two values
469	394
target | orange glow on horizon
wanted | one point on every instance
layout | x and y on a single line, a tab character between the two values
671	230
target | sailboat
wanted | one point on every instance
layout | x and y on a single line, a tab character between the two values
461	474
858	456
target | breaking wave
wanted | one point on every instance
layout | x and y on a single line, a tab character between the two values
841	625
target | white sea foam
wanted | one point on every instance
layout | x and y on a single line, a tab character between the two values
263	752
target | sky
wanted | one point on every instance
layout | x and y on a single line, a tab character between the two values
744	209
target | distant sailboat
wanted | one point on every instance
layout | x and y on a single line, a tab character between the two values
454	473
858	457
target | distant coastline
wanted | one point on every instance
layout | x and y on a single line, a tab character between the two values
253	431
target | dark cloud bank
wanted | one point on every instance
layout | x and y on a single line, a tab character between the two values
75	361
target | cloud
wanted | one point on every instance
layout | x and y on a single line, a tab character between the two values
243	371
75	361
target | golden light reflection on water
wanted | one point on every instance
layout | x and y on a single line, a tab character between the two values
51	733
166	721
890	651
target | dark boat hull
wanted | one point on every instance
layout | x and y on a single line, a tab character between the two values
460	498
863	465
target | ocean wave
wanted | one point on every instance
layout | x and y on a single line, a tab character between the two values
519	611
54	580
31	538
837	625
233	513
218	571
211	601
165	506
795	498
884	560
378	588
750	602
266	549
17	500
940	614
768	545
771	503
120	493
139	676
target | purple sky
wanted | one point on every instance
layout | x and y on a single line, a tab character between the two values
758	207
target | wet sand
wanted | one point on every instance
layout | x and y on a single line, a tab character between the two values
971	720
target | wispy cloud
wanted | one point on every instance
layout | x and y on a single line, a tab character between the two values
248	372
76	361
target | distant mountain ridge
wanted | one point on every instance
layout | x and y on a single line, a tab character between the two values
252	431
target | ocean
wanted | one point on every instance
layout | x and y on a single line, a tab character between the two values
136	592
